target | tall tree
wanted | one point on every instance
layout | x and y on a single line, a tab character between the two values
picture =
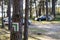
46	10
2	14
26	20
36	8
43	8
40	8
9	14
17	18
31	14
53	8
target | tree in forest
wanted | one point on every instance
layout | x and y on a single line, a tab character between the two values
39	8
26	20
16	34
43	8
36	8
9	14
46	10
53	8
0	2
2	14
31	13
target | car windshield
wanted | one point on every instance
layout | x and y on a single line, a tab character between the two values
43	17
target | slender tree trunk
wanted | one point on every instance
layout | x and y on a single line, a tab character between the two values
17	18
40	8
43	9
9	14
53	8
26	20
36	9
2	15
46	10
31	14
40	11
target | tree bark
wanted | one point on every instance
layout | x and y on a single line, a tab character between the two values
46	10
26	20
40	8
2	14
17	18
31	14
53	8
9	14
36	9
43	8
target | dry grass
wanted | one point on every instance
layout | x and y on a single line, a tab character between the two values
5	35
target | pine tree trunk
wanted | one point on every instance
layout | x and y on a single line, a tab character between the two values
26	20
53	8
43	9
40	8
31	14
2	14
17	18
9	14
46	10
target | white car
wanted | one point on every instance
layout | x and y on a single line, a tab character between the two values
43	18
6	21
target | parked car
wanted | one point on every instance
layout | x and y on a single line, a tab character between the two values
6	21
43	18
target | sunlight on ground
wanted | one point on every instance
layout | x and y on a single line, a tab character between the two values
46	22
5	35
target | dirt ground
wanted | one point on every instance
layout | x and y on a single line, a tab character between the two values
50	31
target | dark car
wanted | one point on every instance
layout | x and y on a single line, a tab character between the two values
43	18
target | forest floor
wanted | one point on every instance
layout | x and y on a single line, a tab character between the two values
48	30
